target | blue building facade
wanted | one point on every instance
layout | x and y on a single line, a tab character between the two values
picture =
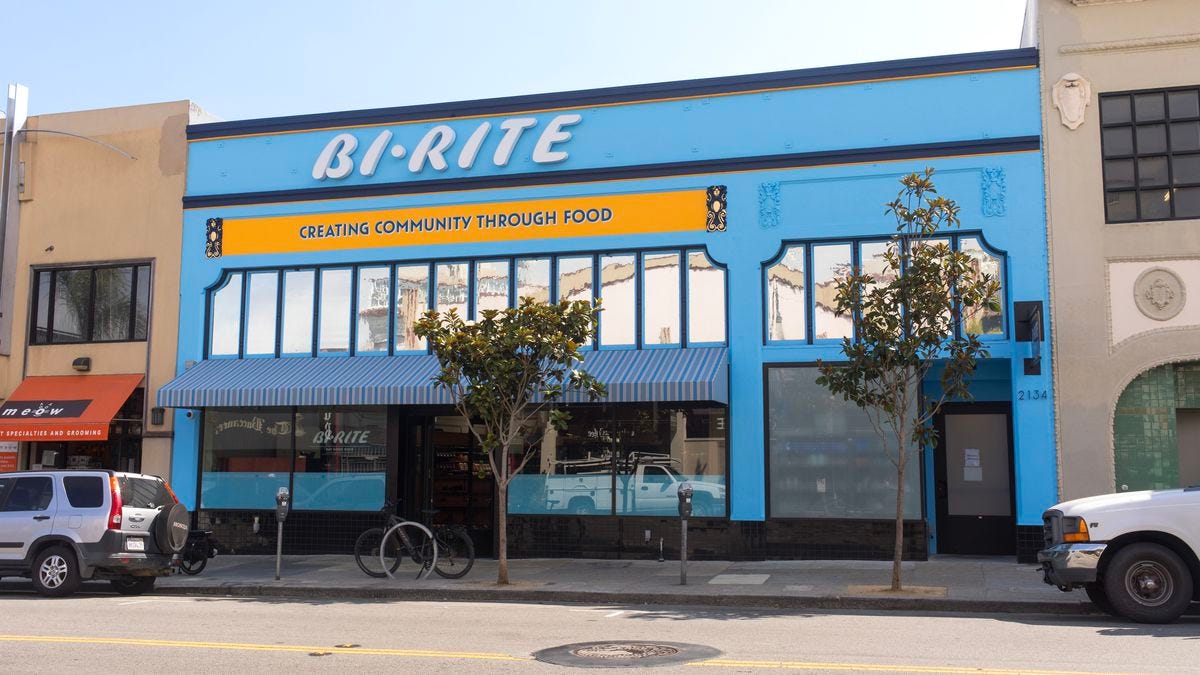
711	217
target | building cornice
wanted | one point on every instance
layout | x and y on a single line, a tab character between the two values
1159	42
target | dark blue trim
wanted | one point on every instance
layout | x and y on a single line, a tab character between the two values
759	163
878	70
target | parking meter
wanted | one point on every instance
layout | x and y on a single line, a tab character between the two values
283	504
685	500
685	510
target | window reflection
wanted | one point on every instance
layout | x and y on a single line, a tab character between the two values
661	307
575	280
618	320
785	296
533	279
874	262
705	300
261	301
110	308
491	286
626	459
341	458
831	264
374	303
452	288
334	334
412	300
298	311
226	326
982	320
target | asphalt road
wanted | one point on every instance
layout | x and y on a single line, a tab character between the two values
161	633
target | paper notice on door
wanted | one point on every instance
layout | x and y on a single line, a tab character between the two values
971	457
972	474
8	456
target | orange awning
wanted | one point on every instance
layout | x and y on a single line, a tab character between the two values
65	407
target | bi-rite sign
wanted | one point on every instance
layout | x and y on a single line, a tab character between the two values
678	211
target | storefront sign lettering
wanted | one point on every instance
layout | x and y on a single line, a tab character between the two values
257	425
43	409
337	160
359	437
678	211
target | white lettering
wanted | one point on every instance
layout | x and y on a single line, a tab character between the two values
371	159
466	158
513	128
339	147
552	134
435	142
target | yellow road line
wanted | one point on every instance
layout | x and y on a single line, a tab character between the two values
878	667
241	646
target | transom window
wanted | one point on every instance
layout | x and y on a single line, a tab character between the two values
1151	146
108	303
801	286
650	299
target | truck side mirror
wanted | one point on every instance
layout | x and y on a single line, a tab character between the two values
685	500
283	504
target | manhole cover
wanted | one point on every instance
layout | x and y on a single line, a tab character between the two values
624	654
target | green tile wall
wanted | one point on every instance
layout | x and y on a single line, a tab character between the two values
1144	442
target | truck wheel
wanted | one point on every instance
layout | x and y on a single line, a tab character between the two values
133	585
581	506
56	572
1099	598
1148	583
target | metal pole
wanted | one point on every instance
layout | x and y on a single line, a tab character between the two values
278	548
683	555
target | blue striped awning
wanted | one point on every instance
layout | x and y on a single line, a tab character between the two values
699	374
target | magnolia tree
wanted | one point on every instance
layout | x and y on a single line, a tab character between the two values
506	372
908	318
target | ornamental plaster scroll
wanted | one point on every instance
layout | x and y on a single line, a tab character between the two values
1150	296
1136	44
717	197
1071	95
994	188
1093	3
768	205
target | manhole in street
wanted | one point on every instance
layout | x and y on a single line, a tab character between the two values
624	654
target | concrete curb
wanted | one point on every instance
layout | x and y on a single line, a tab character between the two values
649	599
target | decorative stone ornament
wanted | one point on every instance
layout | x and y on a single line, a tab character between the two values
212	238
1159	293
716	208
1071	96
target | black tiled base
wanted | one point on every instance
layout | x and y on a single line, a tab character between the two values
1030	540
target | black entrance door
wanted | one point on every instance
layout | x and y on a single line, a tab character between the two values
447	479
974	486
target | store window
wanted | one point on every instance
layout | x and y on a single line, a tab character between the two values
373	309
91	304
627	459
831	264
1150	143
247	456
786	304
341	459
649	299
984	320
412	301
825	458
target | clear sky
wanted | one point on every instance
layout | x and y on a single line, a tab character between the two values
241	59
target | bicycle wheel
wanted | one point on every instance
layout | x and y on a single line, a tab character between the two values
193	565
411	541
456	552
366	553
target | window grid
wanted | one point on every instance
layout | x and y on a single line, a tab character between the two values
809	296
1176	115
136	280
432	296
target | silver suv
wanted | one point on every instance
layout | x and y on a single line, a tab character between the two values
60	528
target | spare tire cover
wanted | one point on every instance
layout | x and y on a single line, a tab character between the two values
171	528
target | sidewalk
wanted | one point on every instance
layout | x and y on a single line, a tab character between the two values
940	584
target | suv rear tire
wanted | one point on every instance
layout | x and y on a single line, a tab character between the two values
56	572
1148	583
133	585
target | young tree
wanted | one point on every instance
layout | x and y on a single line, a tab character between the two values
908	319
504	371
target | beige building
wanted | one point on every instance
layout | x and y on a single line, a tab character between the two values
95	300
1121	101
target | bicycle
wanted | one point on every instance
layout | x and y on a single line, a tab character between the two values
379	551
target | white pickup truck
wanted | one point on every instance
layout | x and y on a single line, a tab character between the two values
652	489
1134	553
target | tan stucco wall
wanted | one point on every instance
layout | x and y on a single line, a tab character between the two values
1116	46
85	203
